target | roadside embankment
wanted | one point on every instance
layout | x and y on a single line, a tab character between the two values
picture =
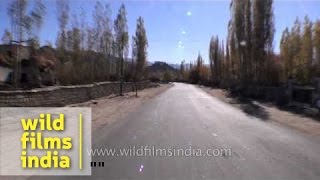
63	95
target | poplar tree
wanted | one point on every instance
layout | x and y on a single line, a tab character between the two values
215	61
20	21
295	44
140	44
36	17
98	26
263	34
306	53
316	43
63	18
121	39
286	53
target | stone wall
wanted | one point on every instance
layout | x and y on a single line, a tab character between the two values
64	95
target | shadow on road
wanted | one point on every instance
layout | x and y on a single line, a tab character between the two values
250	107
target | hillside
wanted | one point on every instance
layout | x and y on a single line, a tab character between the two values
161	71
159	66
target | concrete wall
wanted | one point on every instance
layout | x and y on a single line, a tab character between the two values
63	95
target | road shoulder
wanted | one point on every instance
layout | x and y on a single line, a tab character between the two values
268	112
107	110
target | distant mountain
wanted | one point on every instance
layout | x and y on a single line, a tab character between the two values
176	66
159	66
149	63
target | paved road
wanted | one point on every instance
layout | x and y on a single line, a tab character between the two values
185	116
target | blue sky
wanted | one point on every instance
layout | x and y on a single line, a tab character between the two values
177	29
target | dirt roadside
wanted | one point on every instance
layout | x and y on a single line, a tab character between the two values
269	112
108	109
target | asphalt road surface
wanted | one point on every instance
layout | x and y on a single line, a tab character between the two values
185	116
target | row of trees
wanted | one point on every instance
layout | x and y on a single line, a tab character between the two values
85	52
106	37
24	25
300	51
249	48
195	72
247	57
